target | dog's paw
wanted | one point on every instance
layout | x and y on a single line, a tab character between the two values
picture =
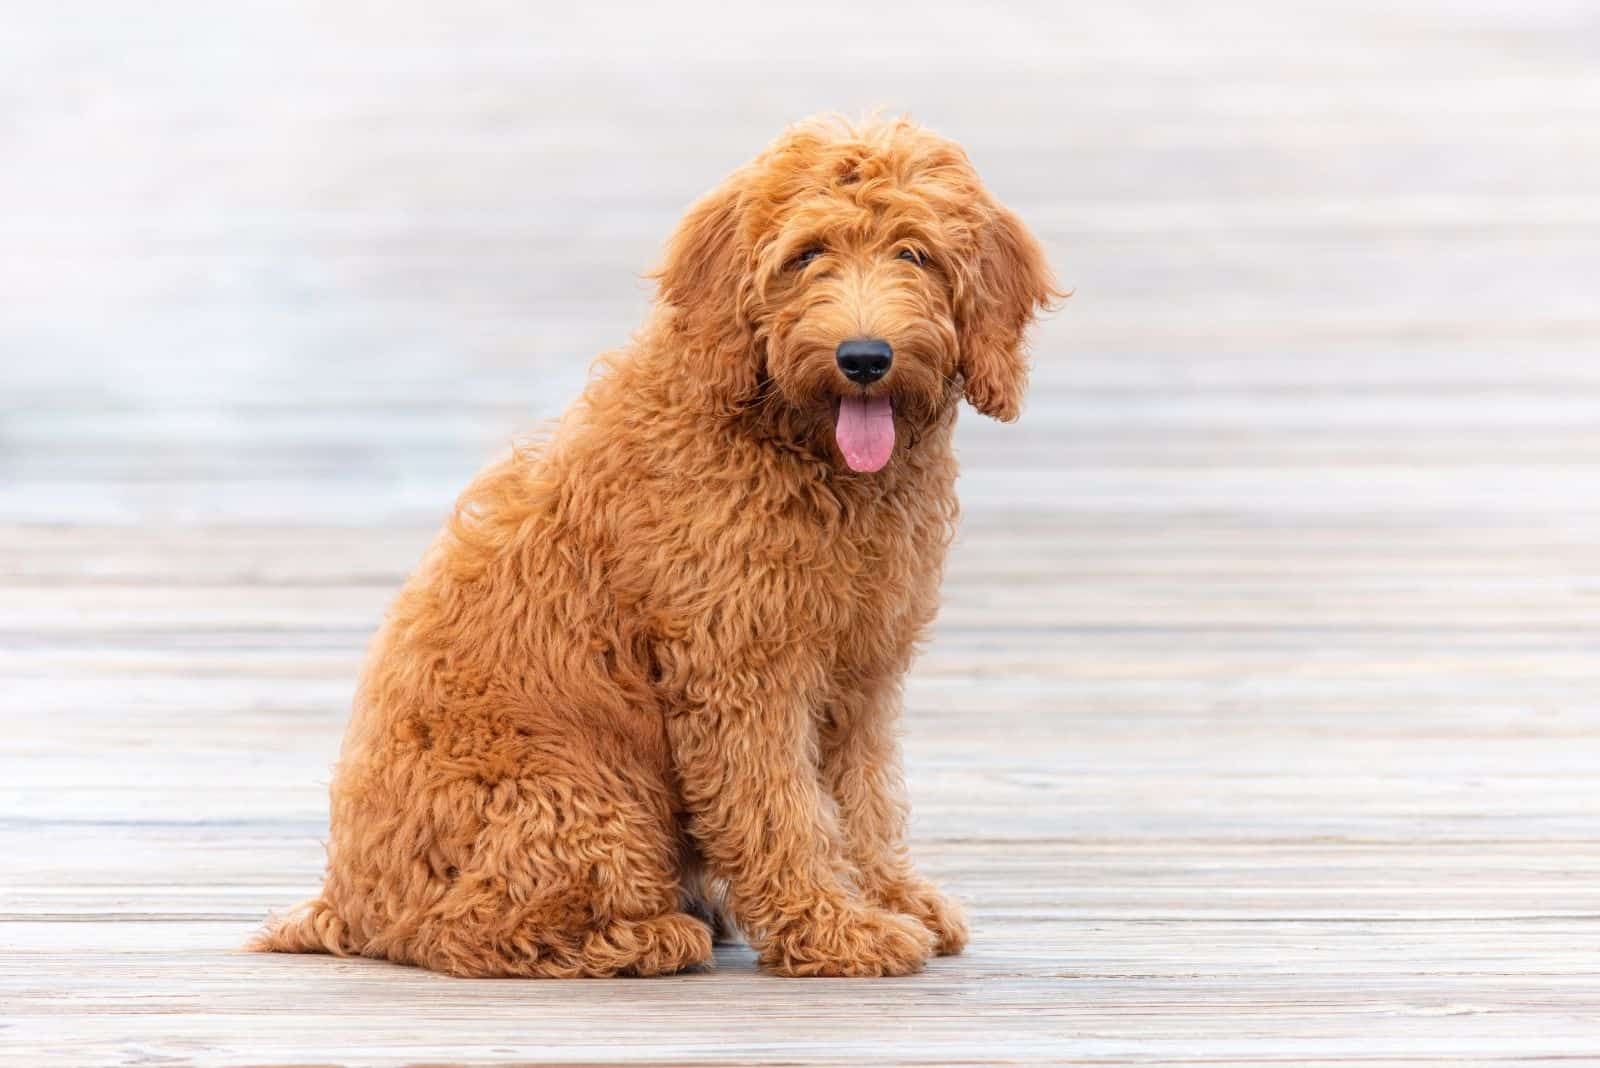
857	942
940	914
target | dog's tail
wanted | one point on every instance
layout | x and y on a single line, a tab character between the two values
310	927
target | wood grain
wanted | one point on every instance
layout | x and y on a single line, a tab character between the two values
1262	724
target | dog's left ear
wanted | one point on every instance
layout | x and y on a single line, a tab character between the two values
1011	283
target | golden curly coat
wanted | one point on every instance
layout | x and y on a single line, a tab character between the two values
647	680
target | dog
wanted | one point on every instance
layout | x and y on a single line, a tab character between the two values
645	685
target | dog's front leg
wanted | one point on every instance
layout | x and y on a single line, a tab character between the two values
860	761
745	754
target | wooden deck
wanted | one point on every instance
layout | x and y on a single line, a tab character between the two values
1263	720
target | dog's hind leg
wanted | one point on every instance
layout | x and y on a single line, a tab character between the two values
310	927
569	877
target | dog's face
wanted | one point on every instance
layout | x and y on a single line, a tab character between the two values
863	280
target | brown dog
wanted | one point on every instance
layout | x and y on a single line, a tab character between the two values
650	671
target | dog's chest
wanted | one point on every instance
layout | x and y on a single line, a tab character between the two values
883	562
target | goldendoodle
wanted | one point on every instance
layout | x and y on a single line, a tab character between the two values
646	681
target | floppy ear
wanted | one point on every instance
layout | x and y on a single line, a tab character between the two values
705	276
1010	285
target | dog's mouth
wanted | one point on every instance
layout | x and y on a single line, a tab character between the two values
864	429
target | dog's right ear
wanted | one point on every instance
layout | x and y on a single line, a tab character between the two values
705	276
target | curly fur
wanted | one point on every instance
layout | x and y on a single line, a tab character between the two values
648	676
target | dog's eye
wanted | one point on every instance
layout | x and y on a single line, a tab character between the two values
910	255
807	255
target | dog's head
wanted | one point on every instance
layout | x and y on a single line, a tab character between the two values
861	277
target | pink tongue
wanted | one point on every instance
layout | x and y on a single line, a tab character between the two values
865	431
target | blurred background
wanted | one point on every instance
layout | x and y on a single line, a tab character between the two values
1266	697
312	262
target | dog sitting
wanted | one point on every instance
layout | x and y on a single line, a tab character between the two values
649	674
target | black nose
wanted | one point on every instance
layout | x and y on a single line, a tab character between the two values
865	360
